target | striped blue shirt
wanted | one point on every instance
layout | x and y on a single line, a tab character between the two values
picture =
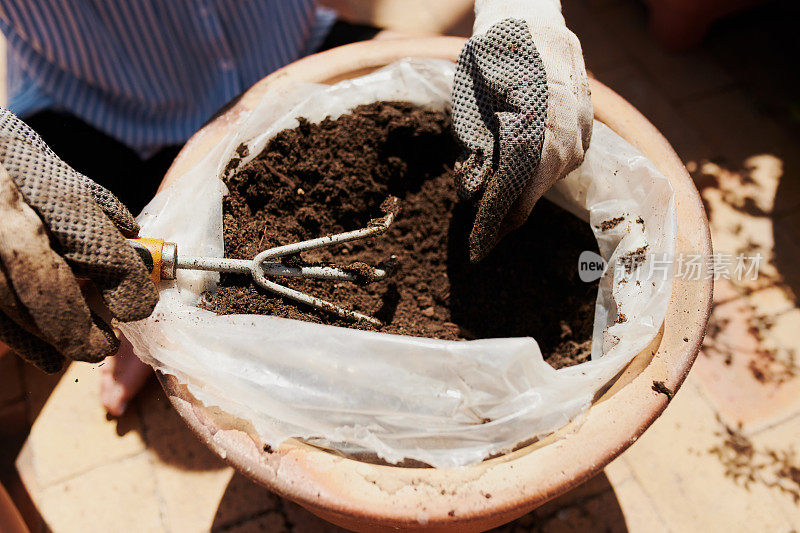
149	72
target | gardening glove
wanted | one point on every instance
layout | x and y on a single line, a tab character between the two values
58	224
522	112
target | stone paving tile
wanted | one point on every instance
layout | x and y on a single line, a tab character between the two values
681	76
598	51
242	499
737	130
777	322
597	5
303	521
750	381
749	189
118	496
725	292
732	124
599	512
271	521
618	471
786	231
686	482
772	301
179	460
747	367
734	233
637	507
746	47
782	473
10	382
653	103
13	430
72	434
37	387
168	438
189	499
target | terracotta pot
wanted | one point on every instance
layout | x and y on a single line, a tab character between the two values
364	496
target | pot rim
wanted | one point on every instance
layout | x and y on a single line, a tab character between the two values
362	495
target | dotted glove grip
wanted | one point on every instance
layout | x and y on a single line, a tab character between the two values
500	100
58	222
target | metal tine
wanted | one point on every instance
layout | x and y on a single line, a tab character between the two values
260	267
317	272
259	271
329	240
376	228
313	301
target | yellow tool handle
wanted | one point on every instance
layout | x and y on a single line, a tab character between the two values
158	256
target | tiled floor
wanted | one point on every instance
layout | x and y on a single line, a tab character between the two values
721	458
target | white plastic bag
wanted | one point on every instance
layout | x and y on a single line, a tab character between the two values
398	396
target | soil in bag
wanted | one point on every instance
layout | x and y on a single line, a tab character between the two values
319	179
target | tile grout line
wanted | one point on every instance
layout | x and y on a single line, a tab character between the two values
635	479
162	504
85	471
739	297
788	418
773	425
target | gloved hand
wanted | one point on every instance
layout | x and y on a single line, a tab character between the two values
58	224
522	112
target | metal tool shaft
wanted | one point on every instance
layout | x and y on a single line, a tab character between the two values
244	266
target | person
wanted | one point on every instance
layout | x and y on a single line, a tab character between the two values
116	87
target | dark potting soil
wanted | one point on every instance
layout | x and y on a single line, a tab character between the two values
319	179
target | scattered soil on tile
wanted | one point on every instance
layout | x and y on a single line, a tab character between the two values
320	179
748	465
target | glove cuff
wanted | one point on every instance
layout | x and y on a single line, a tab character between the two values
536	13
